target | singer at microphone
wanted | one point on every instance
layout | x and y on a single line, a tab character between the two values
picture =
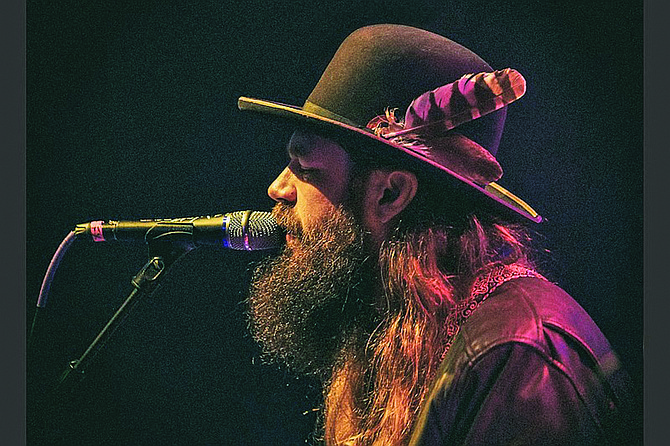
241	230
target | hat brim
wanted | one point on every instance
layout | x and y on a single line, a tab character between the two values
492	190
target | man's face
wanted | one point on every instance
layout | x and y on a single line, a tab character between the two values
315	181
316	294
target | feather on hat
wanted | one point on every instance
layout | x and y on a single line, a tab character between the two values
430	117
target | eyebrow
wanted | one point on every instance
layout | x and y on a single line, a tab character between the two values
297	149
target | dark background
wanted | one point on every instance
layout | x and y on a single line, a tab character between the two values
131	113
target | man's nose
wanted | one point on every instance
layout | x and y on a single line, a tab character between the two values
282	188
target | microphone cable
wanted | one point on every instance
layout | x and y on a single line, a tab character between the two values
48	279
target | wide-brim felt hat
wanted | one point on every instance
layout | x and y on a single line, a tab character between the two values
454	107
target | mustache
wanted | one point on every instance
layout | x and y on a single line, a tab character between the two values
287	220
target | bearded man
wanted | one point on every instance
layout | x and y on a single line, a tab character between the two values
407	283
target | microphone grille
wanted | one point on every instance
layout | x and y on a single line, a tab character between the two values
253	230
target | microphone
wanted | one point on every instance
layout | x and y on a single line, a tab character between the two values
241	230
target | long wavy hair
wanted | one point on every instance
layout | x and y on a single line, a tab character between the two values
427	266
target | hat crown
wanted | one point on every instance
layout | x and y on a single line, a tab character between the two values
388	66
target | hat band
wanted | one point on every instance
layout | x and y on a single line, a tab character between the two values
311	107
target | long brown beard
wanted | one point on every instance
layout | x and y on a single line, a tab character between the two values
309	301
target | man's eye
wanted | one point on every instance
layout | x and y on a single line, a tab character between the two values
306	173
303	172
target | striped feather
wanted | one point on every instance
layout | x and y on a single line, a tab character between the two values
451	105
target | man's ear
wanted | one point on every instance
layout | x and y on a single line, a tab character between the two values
388	193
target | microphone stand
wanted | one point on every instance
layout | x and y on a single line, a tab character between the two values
162	254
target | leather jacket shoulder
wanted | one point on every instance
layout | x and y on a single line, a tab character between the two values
529	366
